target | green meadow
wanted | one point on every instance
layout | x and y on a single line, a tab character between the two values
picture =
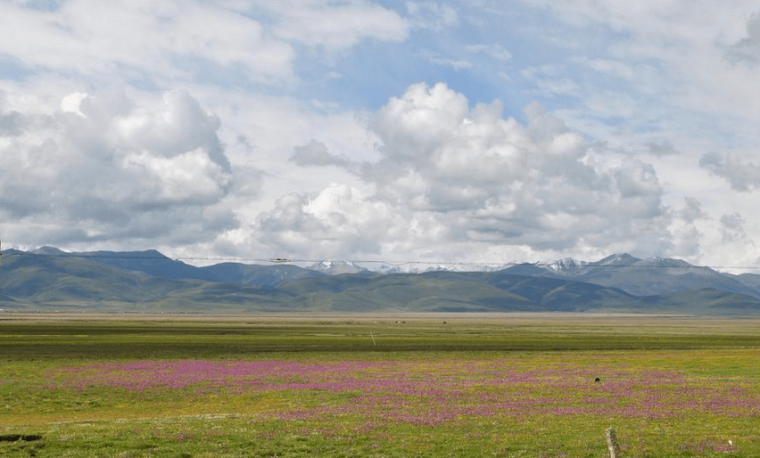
501	385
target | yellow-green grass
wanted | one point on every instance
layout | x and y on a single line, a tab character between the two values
381	386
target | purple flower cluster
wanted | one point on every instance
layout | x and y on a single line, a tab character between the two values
143	375
434	392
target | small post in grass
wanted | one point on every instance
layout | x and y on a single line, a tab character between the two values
612	443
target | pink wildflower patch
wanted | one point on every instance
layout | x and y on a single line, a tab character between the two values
429	393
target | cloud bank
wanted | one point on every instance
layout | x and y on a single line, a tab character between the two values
444	131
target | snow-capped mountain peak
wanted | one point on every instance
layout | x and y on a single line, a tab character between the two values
618	260
565	265
336	267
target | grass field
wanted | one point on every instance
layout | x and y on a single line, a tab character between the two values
377	386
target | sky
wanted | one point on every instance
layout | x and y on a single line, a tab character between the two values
471	131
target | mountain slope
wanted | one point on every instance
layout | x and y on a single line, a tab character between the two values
652	276
561	295
156	264
150	262
76	282
707	301
438	291
141	281
232	272
63	279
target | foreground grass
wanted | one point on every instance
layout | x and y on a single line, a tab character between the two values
379	387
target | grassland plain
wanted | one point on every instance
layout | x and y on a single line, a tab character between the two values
377	386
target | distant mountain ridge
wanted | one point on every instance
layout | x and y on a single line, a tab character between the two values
655	276
148	281
156	264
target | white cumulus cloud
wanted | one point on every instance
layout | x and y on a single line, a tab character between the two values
451	175
338	222
109	166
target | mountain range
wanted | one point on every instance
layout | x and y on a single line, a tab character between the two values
148	281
